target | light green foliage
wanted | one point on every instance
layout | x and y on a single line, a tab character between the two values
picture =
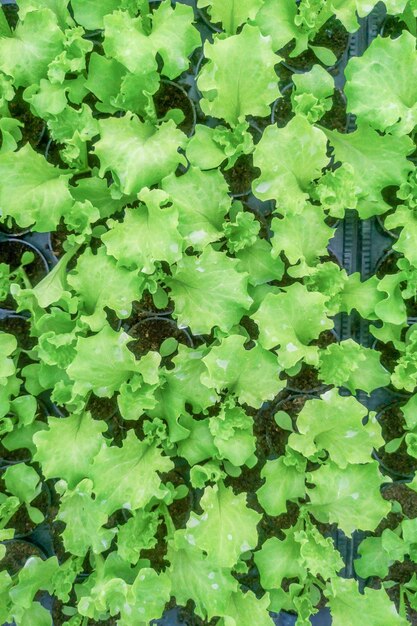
378	161
351	496
350	365
75	440
334	424
148	234
26	54
212	277
230	13
231	366
136	153
387	71
287	179
201	201
290	320
33	192
233	89
226	528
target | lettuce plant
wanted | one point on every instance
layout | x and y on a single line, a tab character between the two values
166	335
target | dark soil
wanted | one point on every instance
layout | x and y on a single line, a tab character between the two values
282	111
270	437
56	529
17	553
336	118
157	554
307	379
273	526
143	309
13	230
241	175
387	265
393	424
392	27
11	252
171	96
18	326
332	35
33	127
22	454
401	493
11	13
389	355
21	521
101	408
411	306
52	153
402	573
148	334
58	238
187	617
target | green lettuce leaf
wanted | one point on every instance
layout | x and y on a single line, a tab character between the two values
374	605
226	528
136	153
75	441
377	160
239	78
201	200
84	518
289	158
127	477
395	60
102	363
290	320
301	245
252	375
148	233
33	192
348	364
284	481
26	55
100	283
229	13
195	576
334	423
350	497
220	295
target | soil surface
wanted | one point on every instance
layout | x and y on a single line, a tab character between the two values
13	230
307	379
171	96
393	424
389	355
33	127
19	327
17	553
11	253
332	35
336	118
388	265
102	408
21	521
241	175
148	334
